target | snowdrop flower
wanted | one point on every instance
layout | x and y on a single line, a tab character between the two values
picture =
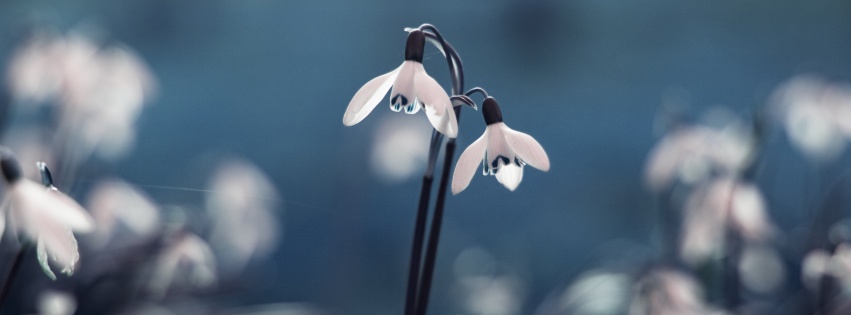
242	209
502	151
44	215
116	205
714	207
187	258
692	153
668	292
412	88
819	263
597	292
816	115
98	92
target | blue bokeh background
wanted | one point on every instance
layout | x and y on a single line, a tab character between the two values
269	80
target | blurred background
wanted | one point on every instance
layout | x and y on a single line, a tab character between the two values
260	87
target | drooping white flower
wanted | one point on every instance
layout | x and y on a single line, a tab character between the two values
45	215
98	92
412	89
188	260
713	208
115	204
816	115
244	224
502	151
692	153
666	291
56	303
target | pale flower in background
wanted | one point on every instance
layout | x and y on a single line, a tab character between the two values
115	206
819	263
816	115
668	292
45	216
56	303
35	70
692	153
761	268
412	88
99	92
400	148
483	287
596	292
242	205
188	261
716	206
502	152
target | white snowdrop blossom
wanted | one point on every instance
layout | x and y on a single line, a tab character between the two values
690	154
44	215
819	263
412	89
711	209
502	152
187	260
597	292
816	115
99	92
114	204
668	292
242	210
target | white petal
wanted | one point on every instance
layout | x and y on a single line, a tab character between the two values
404	93
437	105
497	147
509	175
529	150
41	254
368	97
35	205
468	163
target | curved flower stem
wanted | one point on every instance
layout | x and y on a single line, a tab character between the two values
13	271
477	90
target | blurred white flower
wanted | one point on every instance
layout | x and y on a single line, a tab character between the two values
400	149
716	206
115	204
412	88
484	290
35	69
502	152
668	292
692	153
820	263
99	92
56	303
596	292
242	206
45	215
761	269
186	261
816	115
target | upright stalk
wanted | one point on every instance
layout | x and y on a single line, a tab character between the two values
436	222
457	73
419	225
